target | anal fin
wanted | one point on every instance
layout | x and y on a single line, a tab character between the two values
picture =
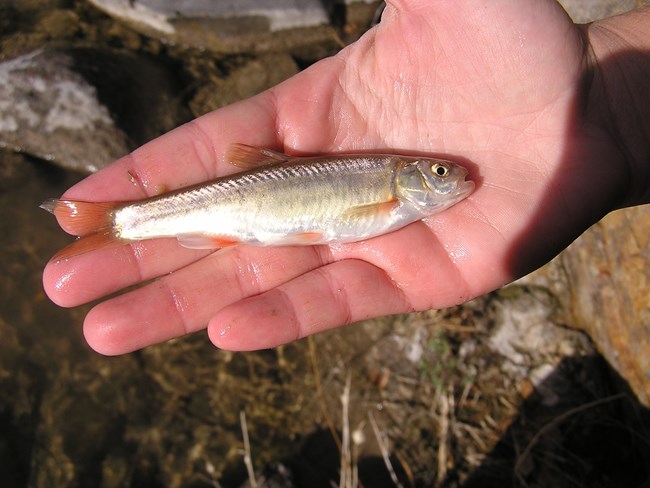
307	238
203	241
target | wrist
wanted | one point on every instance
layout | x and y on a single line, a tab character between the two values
618	60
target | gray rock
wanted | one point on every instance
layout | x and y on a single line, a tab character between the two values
228	25
160	14
583	11
602	283
83	108
49	111
530	341
245	81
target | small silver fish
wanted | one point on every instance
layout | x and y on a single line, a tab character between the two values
279	200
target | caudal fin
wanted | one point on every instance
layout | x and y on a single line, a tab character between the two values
81	218
91	221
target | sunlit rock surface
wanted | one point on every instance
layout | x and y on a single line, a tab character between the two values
244	81
603	283
583	11
50	111
226	26
276	14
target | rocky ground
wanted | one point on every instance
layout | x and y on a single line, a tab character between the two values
543	383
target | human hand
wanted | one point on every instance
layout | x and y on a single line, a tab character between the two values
497	84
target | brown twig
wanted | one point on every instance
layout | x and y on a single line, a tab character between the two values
248	459
384	450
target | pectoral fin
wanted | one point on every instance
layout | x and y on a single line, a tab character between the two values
370	210
250	157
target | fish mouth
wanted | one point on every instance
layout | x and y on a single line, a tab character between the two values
460	192
466	187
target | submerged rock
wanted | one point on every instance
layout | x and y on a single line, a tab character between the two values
83	108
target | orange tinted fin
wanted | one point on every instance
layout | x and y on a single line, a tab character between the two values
307	238
370	210
250	157
202	241
99	240
81	218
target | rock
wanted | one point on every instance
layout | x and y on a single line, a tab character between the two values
583	11
358	16
226	26
248	80
524	332
275	15
57	24
83	108
49	111
31	6
529	340
602	282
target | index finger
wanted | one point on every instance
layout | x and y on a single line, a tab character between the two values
189	154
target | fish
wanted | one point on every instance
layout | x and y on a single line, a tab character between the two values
275	200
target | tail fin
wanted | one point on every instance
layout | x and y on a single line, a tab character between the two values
81	218
92	222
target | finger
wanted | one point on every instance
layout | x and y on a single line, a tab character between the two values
184	301
94	275
189	154
327	297
411	269
407	270
420	264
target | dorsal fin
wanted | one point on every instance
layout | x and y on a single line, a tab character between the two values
250	157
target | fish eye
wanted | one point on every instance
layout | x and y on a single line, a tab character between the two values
440	170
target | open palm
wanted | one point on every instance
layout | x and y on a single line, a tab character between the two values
495	85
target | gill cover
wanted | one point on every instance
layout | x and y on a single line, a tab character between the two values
431	184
